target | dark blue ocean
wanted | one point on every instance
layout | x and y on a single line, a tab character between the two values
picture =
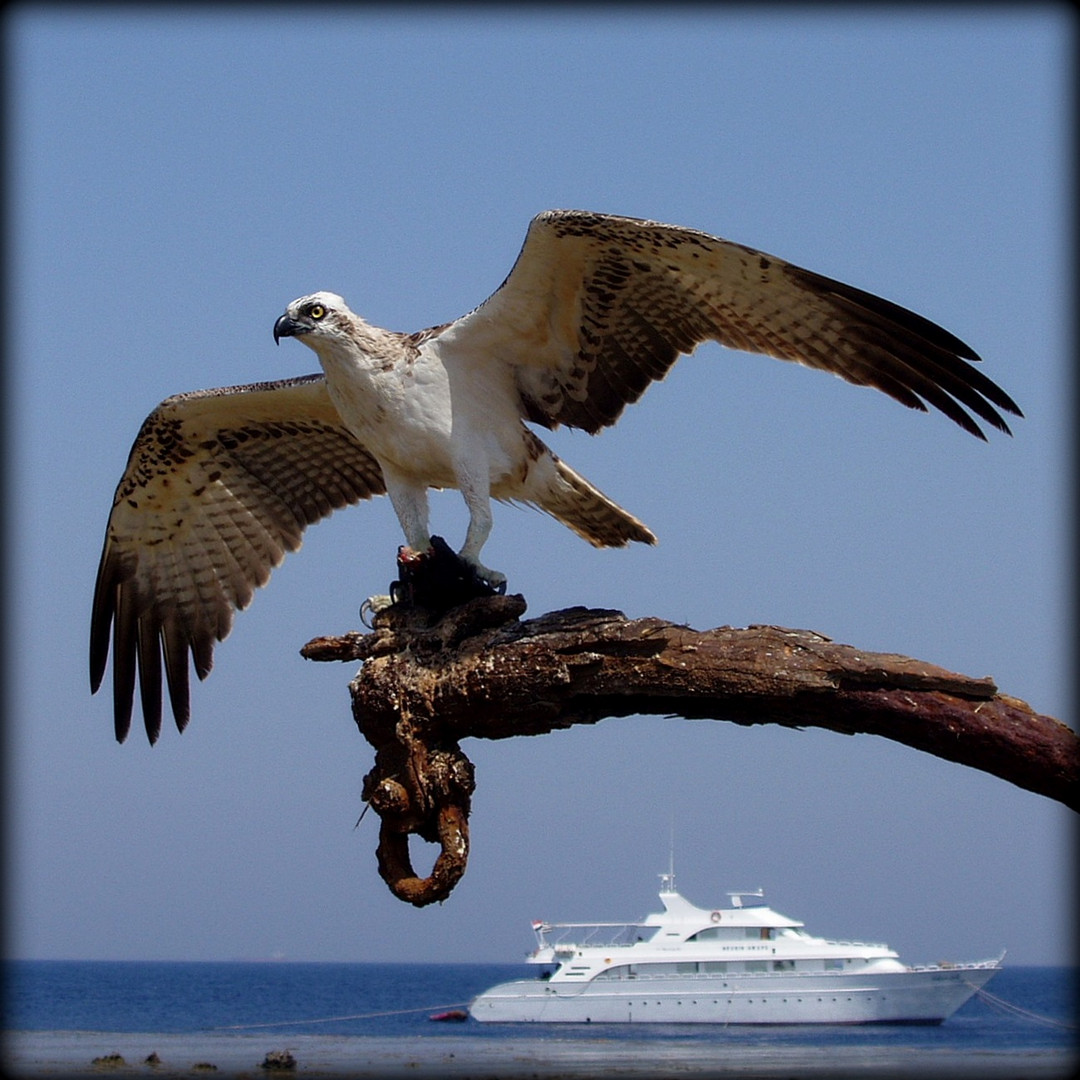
280	1001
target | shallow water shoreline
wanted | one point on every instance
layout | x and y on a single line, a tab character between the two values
71	1054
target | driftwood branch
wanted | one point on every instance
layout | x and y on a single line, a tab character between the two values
429	681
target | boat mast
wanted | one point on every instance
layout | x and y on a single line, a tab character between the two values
667	881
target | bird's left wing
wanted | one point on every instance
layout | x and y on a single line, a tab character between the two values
597	306
220	484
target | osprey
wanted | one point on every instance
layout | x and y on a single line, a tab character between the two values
220	484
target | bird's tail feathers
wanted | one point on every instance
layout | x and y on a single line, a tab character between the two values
589	512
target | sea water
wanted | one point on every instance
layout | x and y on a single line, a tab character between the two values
374	1020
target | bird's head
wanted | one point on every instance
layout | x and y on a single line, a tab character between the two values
316	319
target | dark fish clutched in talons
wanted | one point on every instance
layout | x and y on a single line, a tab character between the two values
438	579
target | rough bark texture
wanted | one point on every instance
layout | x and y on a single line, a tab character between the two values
428	681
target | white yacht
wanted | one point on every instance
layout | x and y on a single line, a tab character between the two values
741	964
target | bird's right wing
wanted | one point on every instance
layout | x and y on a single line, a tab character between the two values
219	485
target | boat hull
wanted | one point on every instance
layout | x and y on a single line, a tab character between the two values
901	997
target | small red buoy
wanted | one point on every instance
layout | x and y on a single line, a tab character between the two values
450	1014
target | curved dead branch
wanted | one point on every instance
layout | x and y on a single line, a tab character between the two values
479	670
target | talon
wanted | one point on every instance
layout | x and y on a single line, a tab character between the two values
372	606
493	579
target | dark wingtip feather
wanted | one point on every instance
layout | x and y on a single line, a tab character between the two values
123	702
176	673
150	677
939	365
124	663
101	617
903	317
99	657
1005	402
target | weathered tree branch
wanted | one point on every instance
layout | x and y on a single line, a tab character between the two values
428	681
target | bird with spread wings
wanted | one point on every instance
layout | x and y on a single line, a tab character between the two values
220	484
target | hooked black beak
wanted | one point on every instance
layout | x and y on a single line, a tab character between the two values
287	327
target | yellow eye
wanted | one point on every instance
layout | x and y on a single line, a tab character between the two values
316	311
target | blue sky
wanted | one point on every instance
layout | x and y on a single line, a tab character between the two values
179	174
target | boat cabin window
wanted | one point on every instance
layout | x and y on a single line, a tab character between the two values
714	967
711	934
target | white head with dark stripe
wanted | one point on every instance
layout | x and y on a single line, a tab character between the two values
321	315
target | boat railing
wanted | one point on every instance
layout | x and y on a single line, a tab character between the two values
859	944
644	974
613	935
948	965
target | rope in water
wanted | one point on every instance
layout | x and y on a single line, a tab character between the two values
1008	1007
331	1019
